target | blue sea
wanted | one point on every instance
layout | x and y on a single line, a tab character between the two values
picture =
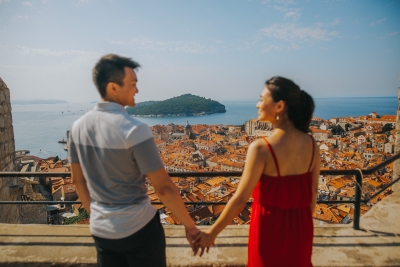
38	128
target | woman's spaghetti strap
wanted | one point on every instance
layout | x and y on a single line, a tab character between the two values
312	158
273	155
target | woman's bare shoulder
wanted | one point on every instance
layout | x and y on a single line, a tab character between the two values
259	147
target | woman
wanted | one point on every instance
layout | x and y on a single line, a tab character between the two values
282	172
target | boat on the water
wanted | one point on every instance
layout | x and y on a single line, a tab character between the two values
62	141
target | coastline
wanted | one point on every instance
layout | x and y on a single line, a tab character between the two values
174	115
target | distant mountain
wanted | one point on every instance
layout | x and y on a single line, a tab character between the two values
184	105
37	102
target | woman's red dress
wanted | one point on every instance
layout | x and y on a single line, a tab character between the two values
281	227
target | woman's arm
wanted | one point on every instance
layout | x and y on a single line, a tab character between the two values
255	163
315	175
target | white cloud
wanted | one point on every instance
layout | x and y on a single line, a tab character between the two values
294	47
334	33
336	21
284	2
377	22
27	3
293	33
23	50
281	47
393	33
285	37
82	2
292	14
19	17
175	46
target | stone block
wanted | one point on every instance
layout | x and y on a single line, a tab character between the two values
10	132
10	167
2	85
2	157
16	190
12	146
7	94
2	124
2	97
10	161
6	148
8	121
4	194
1	109
6	109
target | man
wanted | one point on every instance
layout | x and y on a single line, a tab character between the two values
110	155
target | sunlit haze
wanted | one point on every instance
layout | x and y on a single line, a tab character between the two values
224	50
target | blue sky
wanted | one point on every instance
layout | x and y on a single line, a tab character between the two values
219	49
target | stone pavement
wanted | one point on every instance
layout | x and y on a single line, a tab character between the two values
377	244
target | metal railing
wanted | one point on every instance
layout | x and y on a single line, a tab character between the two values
358	173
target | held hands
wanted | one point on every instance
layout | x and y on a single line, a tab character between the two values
199	240
204	240
192	235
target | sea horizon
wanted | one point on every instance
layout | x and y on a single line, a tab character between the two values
228	100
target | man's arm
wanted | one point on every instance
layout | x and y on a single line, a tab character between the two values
169	195
80	182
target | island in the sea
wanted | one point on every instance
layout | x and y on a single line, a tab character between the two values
184	105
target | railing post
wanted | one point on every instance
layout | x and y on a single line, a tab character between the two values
357	205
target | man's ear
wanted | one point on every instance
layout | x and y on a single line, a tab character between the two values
111	89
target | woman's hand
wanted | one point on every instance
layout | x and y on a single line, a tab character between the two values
204	240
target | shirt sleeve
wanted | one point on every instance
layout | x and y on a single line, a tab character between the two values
146	156
144	150
72	151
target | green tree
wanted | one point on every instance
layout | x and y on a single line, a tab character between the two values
83	214
387	127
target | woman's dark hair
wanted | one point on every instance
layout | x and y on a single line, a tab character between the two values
111	68
299	104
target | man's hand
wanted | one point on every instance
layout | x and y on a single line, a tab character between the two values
204	240
191	235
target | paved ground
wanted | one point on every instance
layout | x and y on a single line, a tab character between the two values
378	244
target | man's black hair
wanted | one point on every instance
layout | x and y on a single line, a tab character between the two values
111	68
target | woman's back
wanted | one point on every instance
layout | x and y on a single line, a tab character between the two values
293	151
290	190
281	222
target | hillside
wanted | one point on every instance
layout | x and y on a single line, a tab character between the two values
184	105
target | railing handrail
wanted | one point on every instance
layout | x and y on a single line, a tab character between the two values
211	173
356	172
68	174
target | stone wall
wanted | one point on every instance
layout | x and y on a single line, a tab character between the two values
8	213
